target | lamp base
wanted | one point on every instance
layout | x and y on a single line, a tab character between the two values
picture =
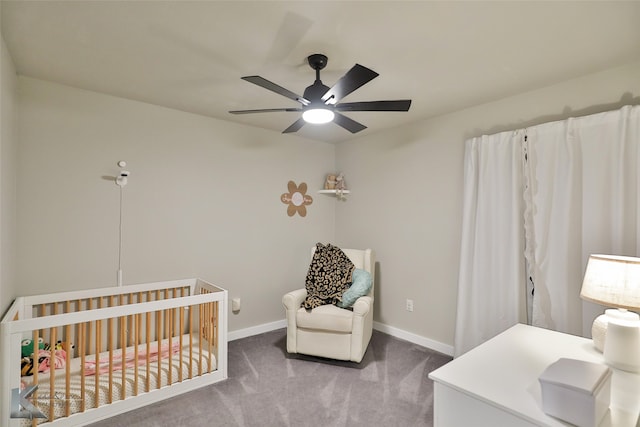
599	326
622	343
599	331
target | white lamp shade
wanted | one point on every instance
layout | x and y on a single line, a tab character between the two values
613	281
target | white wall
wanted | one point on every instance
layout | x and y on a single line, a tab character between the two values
406	193
203	199
8	143
220	217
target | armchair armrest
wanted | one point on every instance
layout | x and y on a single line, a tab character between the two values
292	302
362	306
293	299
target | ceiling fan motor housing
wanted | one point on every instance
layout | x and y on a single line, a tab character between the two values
314	93
317	61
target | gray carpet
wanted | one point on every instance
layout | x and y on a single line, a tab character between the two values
269	387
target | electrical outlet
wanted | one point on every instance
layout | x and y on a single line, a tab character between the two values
409	305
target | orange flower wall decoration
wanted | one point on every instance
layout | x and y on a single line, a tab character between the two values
296	199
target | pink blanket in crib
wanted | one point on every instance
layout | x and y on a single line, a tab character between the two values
130	360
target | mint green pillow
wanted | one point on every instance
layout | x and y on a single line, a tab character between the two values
361	286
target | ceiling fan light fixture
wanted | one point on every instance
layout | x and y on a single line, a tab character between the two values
318	116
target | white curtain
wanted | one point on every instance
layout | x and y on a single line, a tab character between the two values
583	176
492	274
567	190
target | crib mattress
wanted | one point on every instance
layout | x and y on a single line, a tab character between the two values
187	356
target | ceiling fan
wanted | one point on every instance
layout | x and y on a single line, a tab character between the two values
321	104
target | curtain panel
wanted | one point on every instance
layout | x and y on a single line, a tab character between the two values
492	271
578	194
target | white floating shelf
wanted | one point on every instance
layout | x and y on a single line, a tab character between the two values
333	191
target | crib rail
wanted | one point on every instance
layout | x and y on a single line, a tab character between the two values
126	324
108	347
192	284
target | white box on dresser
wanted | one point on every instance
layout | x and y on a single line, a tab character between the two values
496	384
576	391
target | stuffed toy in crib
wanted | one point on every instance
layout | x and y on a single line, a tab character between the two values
44	357
28	346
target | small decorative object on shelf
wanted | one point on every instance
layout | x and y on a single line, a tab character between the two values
330	182
341	186
335	184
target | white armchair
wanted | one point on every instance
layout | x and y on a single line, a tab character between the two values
330	331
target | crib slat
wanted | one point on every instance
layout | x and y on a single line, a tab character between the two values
159	334
52	365
82	348
166	315
211	333
200	335
89	308
36	338
137	343
97	353
43	312
110	348
191	308
121	303
158	327
207	324
123	358
170	354
77	329
129	321
181	326
52	371
147	335
67	377
170	343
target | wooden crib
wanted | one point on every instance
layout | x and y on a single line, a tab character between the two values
123	348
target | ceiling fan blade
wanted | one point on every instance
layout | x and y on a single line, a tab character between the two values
355	77
296	126
347	123
262	82
264	110
398	105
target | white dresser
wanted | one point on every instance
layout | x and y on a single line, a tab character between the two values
496	384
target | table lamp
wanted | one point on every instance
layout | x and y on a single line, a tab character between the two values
614	281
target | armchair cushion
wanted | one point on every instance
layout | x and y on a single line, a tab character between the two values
329	275
360	287
326	318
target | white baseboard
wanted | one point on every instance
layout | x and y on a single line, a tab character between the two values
255	330
414	338
394	332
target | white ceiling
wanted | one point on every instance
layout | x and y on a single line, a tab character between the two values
444	55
